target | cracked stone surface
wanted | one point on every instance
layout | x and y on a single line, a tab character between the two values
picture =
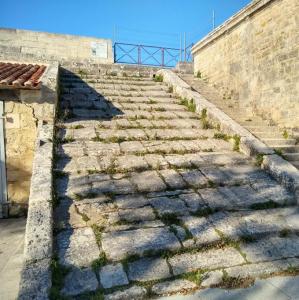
118	245
79	281
147	269
77	247
146	194
113	275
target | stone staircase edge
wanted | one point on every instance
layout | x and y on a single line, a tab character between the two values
36	276
283	171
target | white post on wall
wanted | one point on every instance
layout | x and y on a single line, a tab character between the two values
3	182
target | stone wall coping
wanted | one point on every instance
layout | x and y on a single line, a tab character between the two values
232	22
283	171
38	249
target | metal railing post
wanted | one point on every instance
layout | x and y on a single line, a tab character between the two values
162	54
139	55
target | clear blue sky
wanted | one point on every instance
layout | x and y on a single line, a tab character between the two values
154	22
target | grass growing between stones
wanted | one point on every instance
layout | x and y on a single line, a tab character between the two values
204	120
158	78
189	104
265	205
222	136
196	276
259	159
237	140
235	282
58	274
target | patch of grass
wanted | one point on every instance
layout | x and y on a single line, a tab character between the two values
77	127
211	184
203	212
170	219
222	136
204	120
160	109
198	74
292	270
93	171
265	205
259	159
237	140
235	282
97	230
207	150
247	239
125	74
170	89
196	276
85	218
58	274
96	139
151	101
284	232
99	262
285	134
158	78
279	152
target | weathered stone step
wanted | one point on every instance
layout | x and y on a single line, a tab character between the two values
104	77
282	141
108	93
69	81
287	148
121	87
260	123
291	156
263	128
209	149
127	124
119	135
266	135
130	114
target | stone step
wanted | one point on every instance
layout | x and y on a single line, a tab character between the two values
265	135
291	156
120	93
282	141
287	148
269	128
260	123
104	77
123	87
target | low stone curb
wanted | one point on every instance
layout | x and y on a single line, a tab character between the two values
36	273
279	168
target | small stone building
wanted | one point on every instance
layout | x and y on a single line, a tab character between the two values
28	94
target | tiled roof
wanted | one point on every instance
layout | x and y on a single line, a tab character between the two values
24	76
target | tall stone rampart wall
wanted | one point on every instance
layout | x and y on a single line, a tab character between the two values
253	58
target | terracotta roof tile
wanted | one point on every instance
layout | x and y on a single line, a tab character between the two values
26	76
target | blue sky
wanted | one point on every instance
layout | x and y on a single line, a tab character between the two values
154	22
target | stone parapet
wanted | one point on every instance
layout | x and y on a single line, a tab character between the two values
280	169
36	274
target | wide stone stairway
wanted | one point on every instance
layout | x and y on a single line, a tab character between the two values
149	203
285	142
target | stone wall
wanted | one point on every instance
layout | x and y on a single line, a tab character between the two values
253	58
32	46
23	109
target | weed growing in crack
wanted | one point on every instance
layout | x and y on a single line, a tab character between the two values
237	140
198	74
170	89
259	159
58	274
265	205
222	136
285	134
158	78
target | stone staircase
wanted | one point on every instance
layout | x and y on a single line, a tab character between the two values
148	203
286	143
